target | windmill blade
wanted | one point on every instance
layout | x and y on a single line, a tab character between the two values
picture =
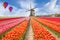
34	7
30	5
30	9
27	10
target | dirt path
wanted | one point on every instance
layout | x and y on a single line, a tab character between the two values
29	34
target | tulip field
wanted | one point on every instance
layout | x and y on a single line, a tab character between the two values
44	28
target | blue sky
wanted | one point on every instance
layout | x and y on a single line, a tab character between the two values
43	6
40	3
11	2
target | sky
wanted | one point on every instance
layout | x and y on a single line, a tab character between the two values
42	7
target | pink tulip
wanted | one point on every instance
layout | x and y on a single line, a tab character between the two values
8	26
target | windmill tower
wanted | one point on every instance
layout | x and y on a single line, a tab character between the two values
32	12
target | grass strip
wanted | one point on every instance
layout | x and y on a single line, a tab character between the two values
23	36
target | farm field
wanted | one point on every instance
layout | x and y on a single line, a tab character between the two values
33	28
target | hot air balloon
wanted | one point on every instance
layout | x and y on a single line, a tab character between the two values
10	9
5	4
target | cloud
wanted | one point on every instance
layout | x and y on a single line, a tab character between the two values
49	8
57	9
52	6
15	12
5	11
25	6
21	12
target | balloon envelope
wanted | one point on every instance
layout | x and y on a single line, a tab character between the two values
10	9
5	4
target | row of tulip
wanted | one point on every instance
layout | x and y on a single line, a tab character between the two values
16	32
54	27
2	23
57	19
10	25
4	19
41	32
52	22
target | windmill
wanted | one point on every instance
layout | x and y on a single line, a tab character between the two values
32	11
